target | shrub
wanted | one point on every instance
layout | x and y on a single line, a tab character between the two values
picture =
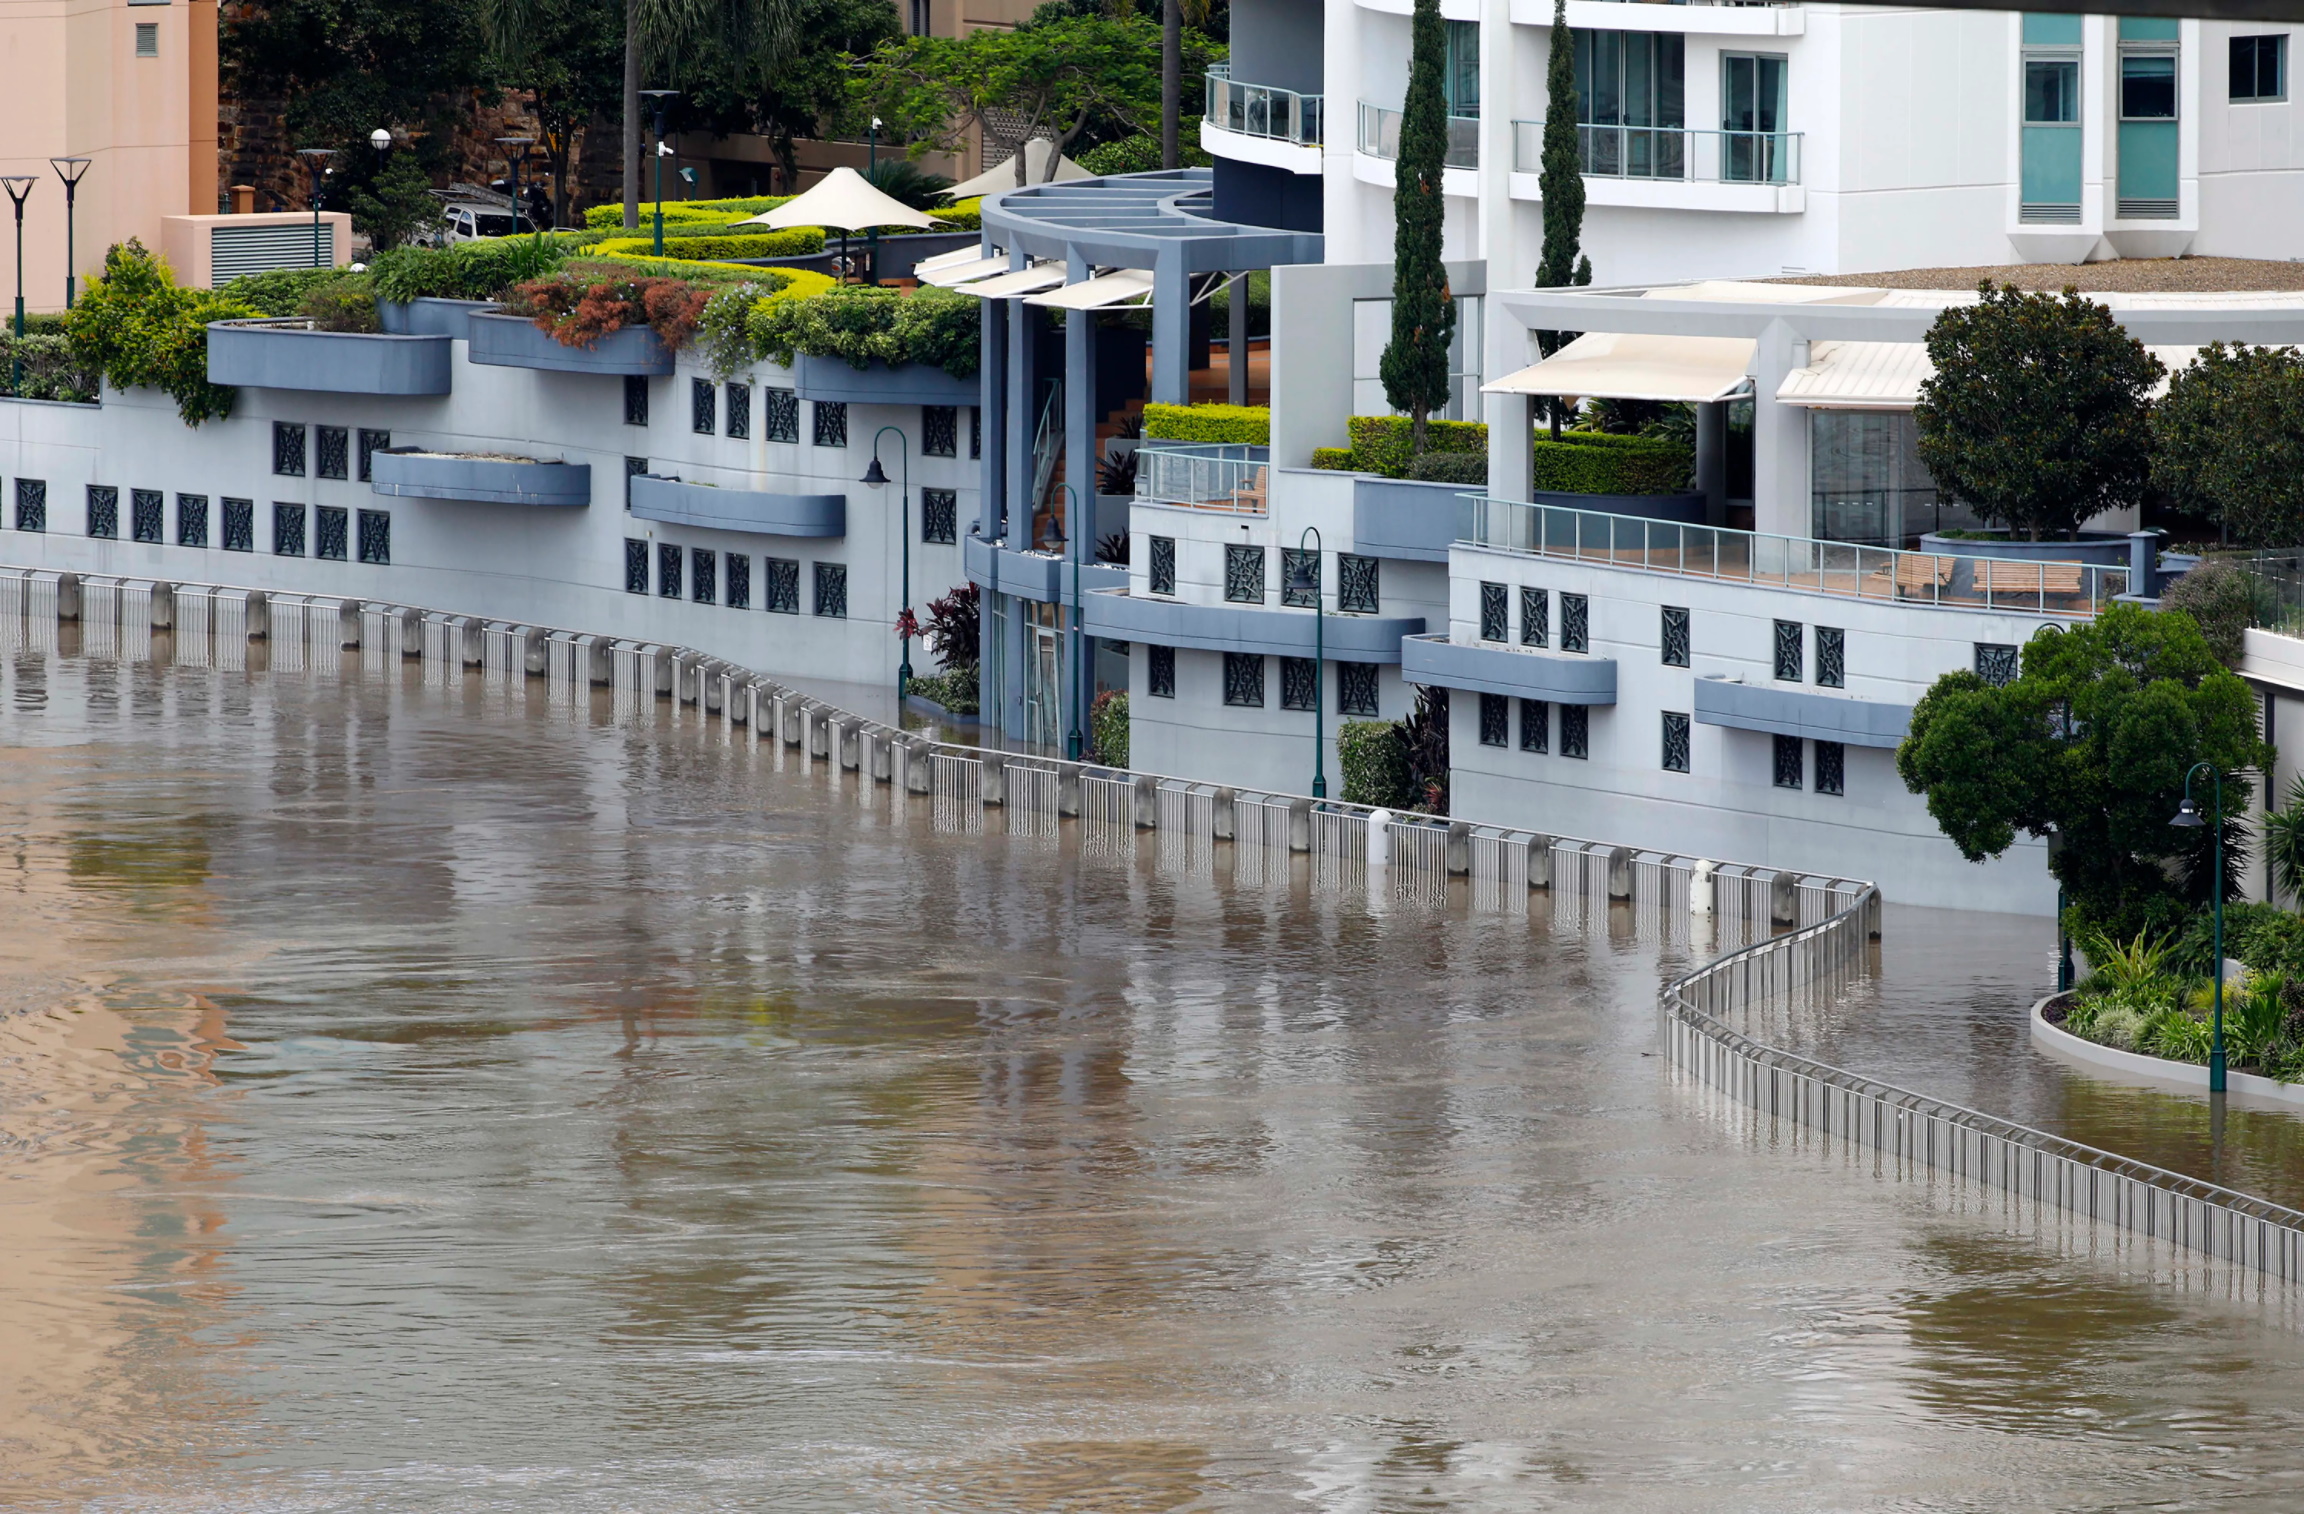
282	291
955	626
482	270
938	328
139	329
801	241
578	311
1141	153
611	217
724	337
955	689
1230	424
1386	443
1592	462
2221	599
51	372
344	304
1451	468
1108	728
2228	442
1374	759
1333	459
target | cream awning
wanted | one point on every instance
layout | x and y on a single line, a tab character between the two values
846	201
1888	375
951	275
1122	286
1605	365
1024	281
1003	176
953	259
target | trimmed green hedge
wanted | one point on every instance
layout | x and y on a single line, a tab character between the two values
1386	443
1374	758
1592	462
940	328
1249	425
1451	468
1334	459
799	242
611	217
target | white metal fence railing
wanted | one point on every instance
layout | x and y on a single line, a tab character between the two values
190	644
1263	835
99	617
1108	803
1029	792
957	787
1498	863
291	623
1187	825
1339	847
1418	860
1661	905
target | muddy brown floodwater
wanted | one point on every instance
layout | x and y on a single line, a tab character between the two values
432	1097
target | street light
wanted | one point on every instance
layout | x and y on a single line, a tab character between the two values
1304	578
18	186
381	140
876	477
663	99
1080	671
71	171
318	157
2188	818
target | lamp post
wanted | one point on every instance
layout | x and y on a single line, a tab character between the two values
516	152
663	99
1073	745
2188	818
71	171
1304	578
876	477
318	158
872	167
18	185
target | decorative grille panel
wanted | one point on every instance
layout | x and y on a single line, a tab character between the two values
1495	720
287	529
1789	773
1535	617
783	596
832	589
1831	768
669	562
1244	576
332	452
103	510
703	407
1295	561
1575	623
371	443
831	423
32	504
1356	688
1790	653
1996	665
1299	683
1244	679
739	595
635	565
376	538
939	430
703	575
635	400
330	528
1495	613
1535	725
779	415
1160	671
1675	636
239	525
146	516
191	520
940	516
1358	584
1163	575
1575	731
740	412
1831	657
1675	742
288	449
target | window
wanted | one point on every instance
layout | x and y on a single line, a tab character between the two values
703	407
1575	731
1494	613
1160	672
1535	617
779	415
740	412
670	560
287	449
703	575
146	516
1535	725
1299	683
376	537
103	510
739	596
635	400
2148	138
1356	688
333	448
1831	768
1244	679
1753	144
633	468
1244	576
1675	742
1296	561
1866	483
239	525
1356	583
1460	72
832	589
287	529
1575	623
1791	656
147	39
940	516
2259	69
371	443
2148	86
1163	575
975	432
191	520
2051	91
1675	636
939	430
1788	764
1631	103
1495	720
635	565
2049	139
783	587
1996	665
330	528
1831	657
831	423
32	504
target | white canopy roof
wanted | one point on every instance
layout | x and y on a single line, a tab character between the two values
1606	365
845	201
952	275
993	180
1888	375
1122	286
1024	281
952	259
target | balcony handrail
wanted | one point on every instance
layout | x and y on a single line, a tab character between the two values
1939	580
1670	154
1380	136
1231	478
1262	110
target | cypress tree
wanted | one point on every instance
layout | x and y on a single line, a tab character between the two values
1561	183
1415	365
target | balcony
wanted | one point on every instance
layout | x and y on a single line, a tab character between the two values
1722	18
1380	136
1935	580
1234	480
1261	110
1670	152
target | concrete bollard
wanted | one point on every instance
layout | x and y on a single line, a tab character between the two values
850	736
995	778
348	622
1784	899
259	615
67	596
1379	840
596	655
532	655
1147	802
1620	872
411	632
884	757
1457	855
1700	888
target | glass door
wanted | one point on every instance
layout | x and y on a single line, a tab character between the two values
1044	677
1752	118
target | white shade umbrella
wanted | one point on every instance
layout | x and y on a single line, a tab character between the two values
993	180
845	201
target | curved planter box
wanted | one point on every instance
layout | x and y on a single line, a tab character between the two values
292	356
833	378
2150	1072
430	317
1040	576
1523	673
512	341
483	480
1786	709
656	497
1120	616
2098	548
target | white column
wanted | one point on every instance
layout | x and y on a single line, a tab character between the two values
1504	345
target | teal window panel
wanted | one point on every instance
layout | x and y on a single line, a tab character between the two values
2148	165
2144	28
2052	165
2051	31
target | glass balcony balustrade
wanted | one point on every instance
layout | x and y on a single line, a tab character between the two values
1670	153
1261	110
1229	478
1380	136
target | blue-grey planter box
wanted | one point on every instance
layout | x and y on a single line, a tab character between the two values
1523	673
2100	548
430	317
656	497
484	480
1682	509
1033	575
292	356
833	378
1790	709
512	341
1117	615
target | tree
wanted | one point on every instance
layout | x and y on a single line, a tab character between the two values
1415	362
2036	414
396	206
566	54
1561	183
2221	599
2090	744
2228	442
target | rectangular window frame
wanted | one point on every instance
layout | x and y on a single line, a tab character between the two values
1359	583
1495	720
1244	680
331	533
739	407
830	591
1788	651
287	528
104	512
940	517
236	529
671	570
1674	648
703	407
191	520
1831	768
1831	657
635	565
148	516
703	575
331	452
375	537
1299	683
1789	763
737	592
2249	54
1576	623
1244	571
1160	572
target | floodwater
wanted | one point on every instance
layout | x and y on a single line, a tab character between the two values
436	1097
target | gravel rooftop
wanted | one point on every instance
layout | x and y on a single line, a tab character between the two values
2124	276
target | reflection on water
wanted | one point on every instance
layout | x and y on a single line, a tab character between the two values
441	1096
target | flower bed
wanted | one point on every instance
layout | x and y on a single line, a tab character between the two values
935	328
2149	998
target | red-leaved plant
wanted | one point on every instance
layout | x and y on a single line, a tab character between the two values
578	311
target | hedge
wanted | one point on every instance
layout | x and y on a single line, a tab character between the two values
1451	468
480	270
962	215
1386	443
1334	459
939	328
1226	424
1108	727
1374	758
1591	462
799	242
